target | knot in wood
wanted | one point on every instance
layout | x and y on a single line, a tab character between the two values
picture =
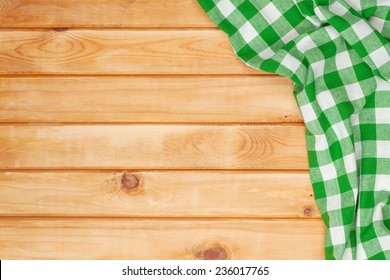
129	182
307	211
212	253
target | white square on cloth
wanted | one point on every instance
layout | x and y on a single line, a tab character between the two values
383	149
361	29
248	32
328	172
270	12
337	234
226	7
343	60
333	202
354	91
325	100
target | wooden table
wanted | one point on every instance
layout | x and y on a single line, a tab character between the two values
130	130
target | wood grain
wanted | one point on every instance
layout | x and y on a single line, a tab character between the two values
102	13
153	146
118	52
148	99
158	194
160	239
130	130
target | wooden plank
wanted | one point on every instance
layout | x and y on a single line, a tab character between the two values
153	146
158	194
102	13
118	52
148	99
160	239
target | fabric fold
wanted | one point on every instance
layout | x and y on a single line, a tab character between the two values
358	33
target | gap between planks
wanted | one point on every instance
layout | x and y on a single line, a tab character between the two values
160	218
127	169
75	123
98	170
137	75
107	28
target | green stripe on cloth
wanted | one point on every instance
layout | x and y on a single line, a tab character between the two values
337	53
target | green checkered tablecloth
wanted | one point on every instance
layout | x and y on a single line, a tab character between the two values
337	53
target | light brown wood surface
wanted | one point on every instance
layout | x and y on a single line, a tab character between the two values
160	239
103	13
118	52
148	99
158	194
152	146
132	124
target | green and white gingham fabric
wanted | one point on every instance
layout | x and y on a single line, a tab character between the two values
337	53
